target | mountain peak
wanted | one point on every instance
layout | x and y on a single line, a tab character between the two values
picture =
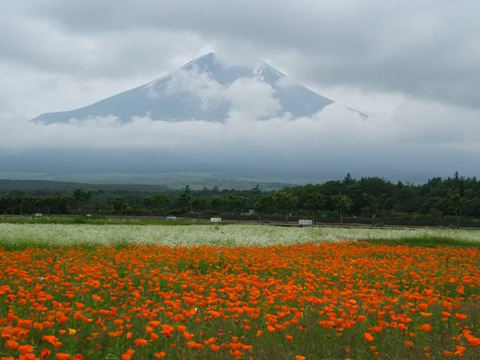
207	60
200	90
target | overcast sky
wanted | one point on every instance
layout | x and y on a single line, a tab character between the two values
412	66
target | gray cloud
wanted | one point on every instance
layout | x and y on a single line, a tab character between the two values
413	67
427	49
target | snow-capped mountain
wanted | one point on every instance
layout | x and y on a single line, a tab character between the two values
200	90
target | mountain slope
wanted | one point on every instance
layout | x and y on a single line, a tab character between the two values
199	90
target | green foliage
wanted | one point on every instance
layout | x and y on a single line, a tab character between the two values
343	203
451	201
285	202
427	241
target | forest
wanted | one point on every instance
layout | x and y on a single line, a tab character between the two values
452	201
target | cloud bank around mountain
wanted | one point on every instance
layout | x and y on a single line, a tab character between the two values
334	138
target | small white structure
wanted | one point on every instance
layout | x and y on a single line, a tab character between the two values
251	212
305	222
171	218
215	219
38	214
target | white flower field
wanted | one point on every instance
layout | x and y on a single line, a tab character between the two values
228	235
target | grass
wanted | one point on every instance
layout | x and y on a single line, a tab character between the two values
428	241
92	220
86	291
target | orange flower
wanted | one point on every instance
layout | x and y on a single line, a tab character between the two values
472	340
167	330
210	341
6	334
128	355
160	355
270	328
368	337
194	345
12	344
425	327
423	306
188	336
52	339
154	323
44	353
459	350
461	289
181	328
140	342
25	349
63	356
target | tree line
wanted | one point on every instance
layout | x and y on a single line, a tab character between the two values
371	199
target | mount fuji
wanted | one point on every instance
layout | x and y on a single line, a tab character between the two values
200	90
206	117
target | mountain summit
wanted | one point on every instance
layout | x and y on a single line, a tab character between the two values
203	89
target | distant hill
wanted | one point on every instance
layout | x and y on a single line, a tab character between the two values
61	183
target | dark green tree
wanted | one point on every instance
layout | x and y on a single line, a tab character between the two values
314	204
199	205
343	203
265	205
237	203
157	203
119	204
79	198
285	202
374	204
185	203
217	203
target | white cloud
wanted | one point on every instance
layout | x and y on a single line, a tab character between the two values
200	83
252	99
390	138
407	123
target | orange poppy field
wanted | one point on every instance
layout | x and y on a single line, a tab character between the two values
328	300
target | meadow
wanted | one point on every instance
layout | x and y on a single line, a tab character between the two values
237	292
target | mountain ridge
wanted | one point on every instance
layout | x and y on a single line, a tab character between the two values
197	90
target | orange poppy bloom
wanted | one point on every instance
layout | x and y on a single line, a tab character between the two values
368	337
140	342
425	327
63	356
